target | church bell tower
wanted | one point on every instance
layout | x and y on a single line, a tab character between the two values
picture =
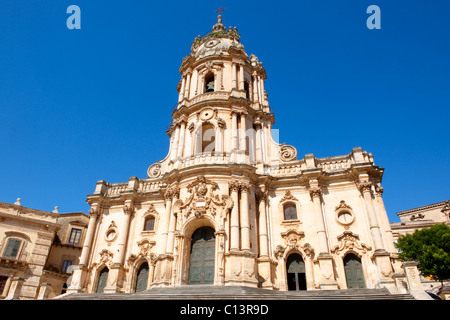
222	115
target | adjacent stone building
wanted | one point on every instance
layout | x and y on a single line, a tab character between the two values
421	218
229	205
33	260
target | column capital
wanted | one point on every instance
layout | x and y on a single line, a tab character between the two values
364	186
172	192
379	190
245	186
262	195
234	185
128	208
95	211
315	192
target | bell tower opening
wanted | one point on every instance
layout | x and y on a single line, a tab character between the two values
247	90
208	138
209	82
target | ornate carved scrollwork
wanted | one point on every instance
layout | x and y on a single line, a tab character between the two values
315	192
203	200
172	192
128	208
154	171
292	238
94	211
106	257
288	196
288	153
364	186
234	185
350	241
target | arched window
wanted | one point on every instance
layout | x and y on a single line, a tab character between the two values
208	139
209	82
290	211
149	224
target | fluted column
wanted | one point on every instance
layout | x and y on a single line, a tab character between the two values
175	142
234	221
187	86
234	135
181	95
181	144
234	76
241	77
255	88
263	236
365	188
172	221
243	138
94	213
220	137
165	226
128	210
245	219
383	214
316	193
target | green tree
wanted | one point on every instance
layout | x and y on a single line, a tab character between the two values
430	248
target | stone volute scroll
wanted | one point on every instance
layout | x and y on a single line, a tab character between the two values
287	153
154	171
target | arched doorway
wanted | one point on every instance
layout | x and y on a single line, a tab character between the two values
353	271
102	278
202	257
296	274
142	277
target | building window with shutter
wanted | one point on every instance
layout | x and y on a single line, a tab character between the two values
75	236
290	211
66	264
12	248
149	224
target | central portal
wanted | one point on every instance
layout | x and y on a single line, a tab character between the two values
201	267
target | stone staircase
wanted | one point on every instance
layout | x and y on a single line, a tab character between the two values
202	292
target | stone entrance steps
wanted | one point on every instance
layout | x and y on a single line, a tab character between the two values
240	293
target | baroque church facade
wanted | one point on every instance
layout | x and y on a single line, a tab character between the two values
229	205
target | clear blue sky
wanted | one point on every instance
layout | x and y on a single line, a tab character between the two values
79	106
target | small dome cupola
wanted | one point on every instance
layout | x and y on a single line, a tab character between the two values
219	27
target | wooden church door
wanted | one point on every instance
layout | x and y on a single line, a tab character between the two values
201	267
354	272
